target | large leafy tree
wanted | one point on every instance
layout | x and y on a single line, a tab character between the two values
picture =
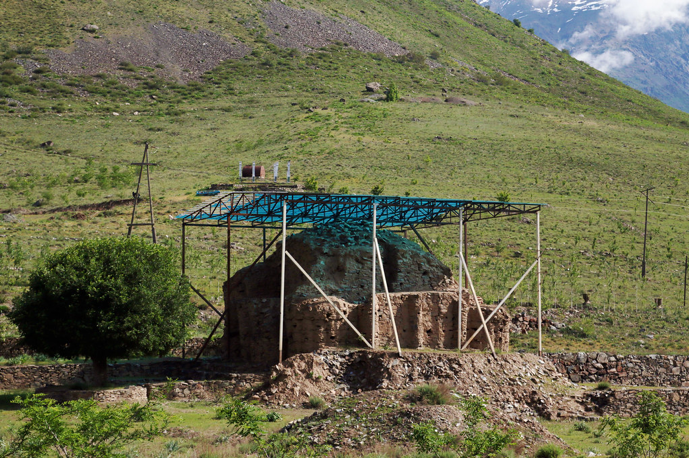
105	298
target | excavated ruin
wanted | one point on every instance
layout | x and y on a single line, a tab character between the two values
338	257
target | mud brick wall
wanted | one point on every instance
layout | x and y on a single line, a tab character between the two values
649	370
425	319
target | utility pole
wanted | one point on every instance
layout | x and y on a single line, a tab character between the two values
643	262
144	162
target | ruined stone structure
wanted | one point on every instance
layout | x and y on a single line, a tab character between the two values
338	258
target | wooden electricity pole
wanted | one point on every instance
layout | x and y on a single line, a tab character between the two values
643	262
144	162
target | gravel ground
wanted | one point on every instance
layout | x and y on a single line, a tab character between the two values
184	55
307	30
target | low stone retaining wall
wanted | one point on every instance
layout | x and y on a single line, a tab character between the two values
29	376
631	370
190	390
625	402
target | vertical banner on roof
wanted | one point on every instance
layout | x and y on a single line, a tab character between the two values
275	171
289	166
240	170
253	171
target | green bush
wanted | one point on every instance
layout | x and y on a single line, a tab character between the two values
517	22
503	196
4	309
428	439
393	94
650	433
244	418
582	426
311	184
316	402
549	451
433	394
378	189
603	386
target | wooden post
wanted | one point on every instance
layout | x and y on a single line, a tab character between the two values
538	255
387	298
478	308
466	251
686	267
150	197
373	280
282	276
342	315
459	278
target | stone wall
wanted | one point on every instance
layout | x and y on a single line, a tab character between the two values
426	319
625	403
29	376
631	370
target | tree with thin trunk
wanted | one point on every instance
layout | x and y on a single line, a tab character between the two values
104	299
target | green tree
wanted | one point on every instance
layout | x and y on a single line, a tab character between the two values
105	298
650	433
80	429
517	22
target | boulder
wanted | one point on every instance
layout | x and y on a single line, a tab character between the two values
90	28
373	87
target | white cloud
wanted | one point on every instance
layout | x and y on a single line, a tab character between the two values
636	17
606	61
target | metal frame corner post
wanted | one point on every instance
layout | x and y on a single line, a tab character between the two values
538	255
373	278
459	278
282	279
184	248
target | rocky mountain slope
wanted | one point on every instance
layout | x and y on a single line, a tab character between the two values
652	58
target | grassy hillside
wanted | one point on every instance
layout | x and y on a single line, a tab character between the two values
545	128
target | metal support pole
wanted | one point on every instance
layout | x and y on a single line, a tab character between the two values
184	248
423	241
282	277
373	280
459	278
643	260
387	298
538	254
264	244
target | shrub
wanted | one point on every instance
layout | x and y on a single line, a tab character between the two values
311	184
433	394
549	451
582	426
650	433
316	402
393	94
127	66
343	190
273	416
428	439
603	386
517	22
503	196
25	49
81	428
42	70
242	417
4	309
378	189
435	54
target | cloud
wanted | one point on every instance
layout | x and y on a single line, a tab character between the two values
636	17
606	61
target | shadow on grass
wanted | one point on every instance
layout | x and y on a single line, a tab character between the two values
6	398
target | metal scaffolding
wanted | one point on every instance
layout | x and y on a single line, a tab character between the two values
293	210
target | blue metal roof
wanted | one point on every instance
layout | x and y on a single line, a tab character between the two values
257	208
